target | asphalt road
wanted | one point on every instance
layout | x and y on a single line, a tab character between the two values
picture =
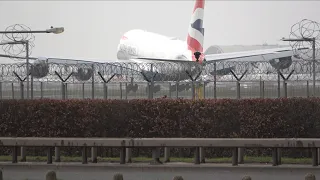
155	172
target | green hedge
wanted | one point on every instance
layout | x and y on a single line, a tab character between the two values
247	118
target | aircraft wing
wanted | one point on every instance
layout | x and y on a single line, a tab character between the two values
254	55
65	61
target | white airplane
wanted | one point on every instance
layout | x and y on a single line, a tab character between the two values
188	56
143	46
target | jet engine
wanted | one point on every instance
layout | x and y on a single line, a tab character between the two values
281	63
40	68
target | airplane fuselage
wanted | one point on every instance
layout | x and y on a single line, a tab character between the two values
139	43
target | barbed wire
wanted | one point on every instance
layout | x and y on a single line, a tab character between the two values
305	29
17	49
167	71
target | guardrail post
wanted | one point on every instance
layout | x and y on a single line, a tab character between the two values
1	175
279	155
15	154
202	155
314	157
197	155
166	154
318	149
274	157
23	154
84	155
156	156
240	155
235	157
49	155
57	154
94	155
122	155
128	155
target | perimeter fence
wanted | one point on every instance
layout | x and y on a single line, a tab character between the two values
124	80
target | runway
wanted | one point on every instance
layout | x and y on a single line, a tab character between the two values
158	172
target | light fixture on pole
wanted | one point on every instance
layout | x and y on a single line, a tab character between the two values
25	41
53	30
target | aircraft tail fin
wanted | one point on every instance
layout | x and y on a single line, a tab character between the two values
195	36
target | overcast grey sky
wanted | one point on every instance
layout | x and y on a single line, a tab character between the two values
93	28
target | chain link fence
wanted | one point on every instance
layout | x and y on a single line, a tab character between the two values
156	80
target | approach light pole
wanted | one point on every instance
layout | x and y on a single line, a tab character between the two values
313	40
57	30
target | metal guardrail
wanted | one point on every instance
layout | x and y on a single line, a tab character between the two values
126	143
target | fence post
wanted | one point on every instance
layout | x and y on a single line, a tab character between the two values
285	79
285	89
308	92
126	85
63	84
120	84
261	89
63	90
12	90
215	80
92	85
31	84
279	84
41	89
83	96
177	89
0	90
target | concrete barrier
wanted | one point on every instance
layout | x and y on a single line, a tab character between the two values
156	143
